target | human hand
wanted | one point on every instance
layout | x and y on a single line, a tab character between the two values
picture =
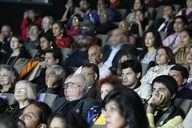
156	100
25	15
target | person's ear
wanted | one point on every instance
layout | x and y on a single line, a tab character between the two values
56	61
138	75
95	76
184	81
101	56
173	96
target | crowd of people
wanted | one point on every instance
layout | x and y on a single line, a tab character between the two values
60	73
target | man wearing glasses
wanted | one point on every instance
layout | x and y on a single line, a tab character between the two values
75	89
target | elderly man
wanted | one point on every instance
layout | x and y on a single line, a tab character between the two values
95	56
160	109
75	89
35	115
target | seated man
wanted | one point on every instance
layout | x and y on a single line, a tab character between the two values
131	75
35	115
95	56
75	89
181	74
160	109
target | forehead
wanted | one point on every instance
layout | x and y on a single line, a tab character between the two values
174	72
48	54
126	70
4	71
74	79
5	28
22	85
86	69
178	20
161	50
33	109
157	85
93	50
149	34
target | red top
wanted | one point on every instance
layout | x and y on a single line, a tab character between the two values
64	42
73	32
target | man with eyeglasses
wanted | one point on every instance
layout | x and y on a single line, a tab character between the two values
75	89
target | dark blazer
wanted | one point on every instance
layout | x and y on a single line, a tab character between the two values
125	49
92	92
157	23
82	106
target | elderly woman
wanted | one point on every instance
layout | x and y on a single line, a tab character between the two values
24	92
8	77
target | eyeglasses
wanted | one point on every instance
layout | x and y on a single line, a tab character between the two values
75	19
103	15
20	90
189	53
87	73
4	75
71	85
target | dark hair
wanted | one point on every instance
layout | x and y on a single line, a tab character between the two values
142	4
183	71
78	17
93	67
45	111
62	26
115	81
189	31
6	121
56	53
134	64
71	119
157	43
49	38
172	7
184	19
169	53
130	105
3	105
168	81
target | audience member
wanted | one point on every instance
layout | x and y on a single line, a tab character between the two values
75	89
164	60
189	62
35	115
187	12
95	56
124	108
131	75
46	26
161	111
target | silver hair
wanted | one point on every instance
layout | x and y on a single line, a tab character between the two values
60	72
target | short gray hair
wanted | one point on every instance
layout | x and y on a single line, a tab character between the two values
31	89
12	71
60	72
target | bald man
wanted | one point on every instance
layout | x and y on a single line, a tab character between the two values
95	56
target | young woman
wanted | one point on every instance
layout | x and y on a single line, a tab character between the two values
152	41
61	38
189	62
164	60
186	42
46	25
124	109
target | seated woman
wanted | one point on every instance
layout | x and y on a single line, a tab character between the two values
18	51
186	42
124	109
24	92
67	120
46	43
95	115
46	25
8	78
189	63
152	41
61	38
164	60
187	12
75	27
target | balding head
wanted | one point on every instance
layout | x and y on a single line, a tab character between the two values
117	36
95	54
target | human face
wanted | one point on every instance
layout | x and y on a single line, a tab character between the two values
75	22
34	31
5	30
189	3
94	55
90	75
168	12
49	59
100	5
21	92
177	76
149	40
15	44
125	26
139	15
30	116
31	14
83	41
161	57
73	88
50	74
116	37
46	24
130	78
104	17
84	5
161	91
185	39
137	5
57	122
189	56
105	89
113	116
57	31
44	43
5	78
179	25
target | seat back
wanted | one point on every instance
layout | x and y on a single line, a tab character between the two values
47	98
103	38
120	14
